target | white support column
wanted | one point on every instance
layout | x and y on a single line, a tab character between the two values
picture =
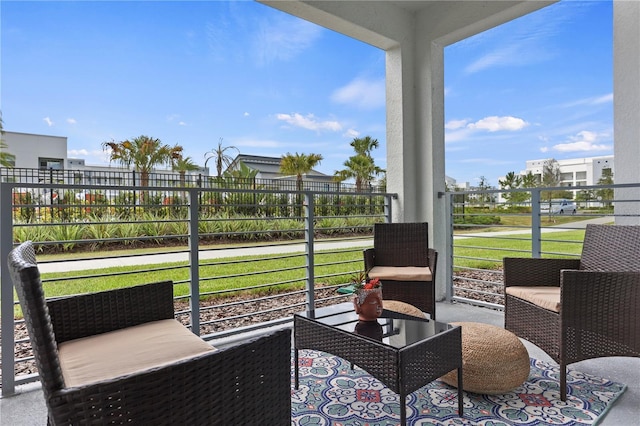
415	138
626	105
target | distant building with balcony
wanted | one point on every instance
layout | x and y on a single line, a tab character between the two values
43	158
575	171
269	168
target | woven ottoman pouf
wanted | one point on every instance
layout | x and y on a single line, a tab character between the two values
403	308
494	360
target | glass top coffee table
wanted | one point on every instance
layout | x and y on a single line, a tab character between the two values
405	353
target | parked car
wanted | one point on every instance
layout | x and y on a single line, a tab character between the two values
558	207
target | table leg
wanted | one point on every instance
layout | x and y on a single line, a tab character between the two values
403	409
295	369
460	394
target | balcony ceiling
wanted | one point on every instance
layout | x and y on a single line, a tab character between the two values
384	24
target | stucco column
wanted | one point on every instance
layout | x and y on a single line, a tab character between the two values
626	105
415	139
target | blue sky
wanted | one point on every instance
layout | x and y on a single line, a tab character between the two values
190	73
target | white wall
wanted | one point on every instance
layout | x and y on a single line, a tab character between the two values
626	104
29	148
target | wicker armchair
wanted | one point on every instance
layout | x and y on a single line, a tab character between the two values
579	309
246	384
405	264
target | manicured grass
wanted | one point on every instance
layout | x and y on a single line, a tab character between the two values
251	273
215	275
487	253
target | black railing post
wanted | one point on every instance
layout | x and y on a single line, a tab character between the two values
194	261
309	252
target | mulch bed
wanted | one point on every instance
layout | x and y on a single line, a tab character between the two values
238	311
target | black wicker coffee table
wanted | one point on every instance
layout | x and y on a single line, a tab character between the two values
411	353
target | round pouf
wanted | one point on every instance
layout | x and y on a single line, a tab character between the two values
494	360
403	308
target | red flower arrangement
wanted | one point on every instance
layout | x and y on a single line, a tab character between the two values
361	282
371	284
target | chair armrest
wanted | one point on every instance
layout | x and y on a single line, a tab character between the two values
433	263
369	259
249	383
85	315
520	271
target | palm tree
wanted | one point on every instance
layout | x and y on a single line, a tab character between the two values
360	167
220	157
298	164
6	159
364	146
183	165
143	153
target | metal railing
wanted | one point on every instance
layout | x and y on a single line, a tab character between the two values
245	258
488	225
106	178
240	259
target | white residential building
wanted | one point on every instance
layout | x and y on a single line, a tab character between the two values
575	171
48	155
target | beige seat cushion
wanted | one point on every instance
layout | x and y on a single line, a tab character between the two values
545	297
122	352
401	273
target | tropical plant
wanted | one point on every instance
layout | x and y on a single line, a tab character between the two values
182	165
605	194
364	146
530	180
220	157
550	177
298	165
143	153
513	181
242	174
360	167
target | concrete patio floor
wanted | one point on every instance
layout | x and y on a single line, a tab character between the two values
27	408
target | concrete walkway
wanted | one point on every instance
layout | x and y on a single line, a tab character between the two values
154	259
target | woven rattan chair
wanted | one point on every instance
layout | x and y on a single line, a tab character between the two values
408	271
578	309
246	384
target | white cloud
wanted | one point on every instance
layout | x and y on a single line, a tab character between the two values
48	121
284	38
71	121
459	130
455	124
175	118
583	141
361	92
257	143
77	153
595	100
246	114
309	122
352	133
504	56
495	124
95	156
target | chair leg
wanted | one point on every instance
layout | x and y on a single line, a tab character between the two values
563	381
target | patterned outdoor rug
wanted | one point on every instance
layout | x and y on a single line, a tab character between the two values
331	393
